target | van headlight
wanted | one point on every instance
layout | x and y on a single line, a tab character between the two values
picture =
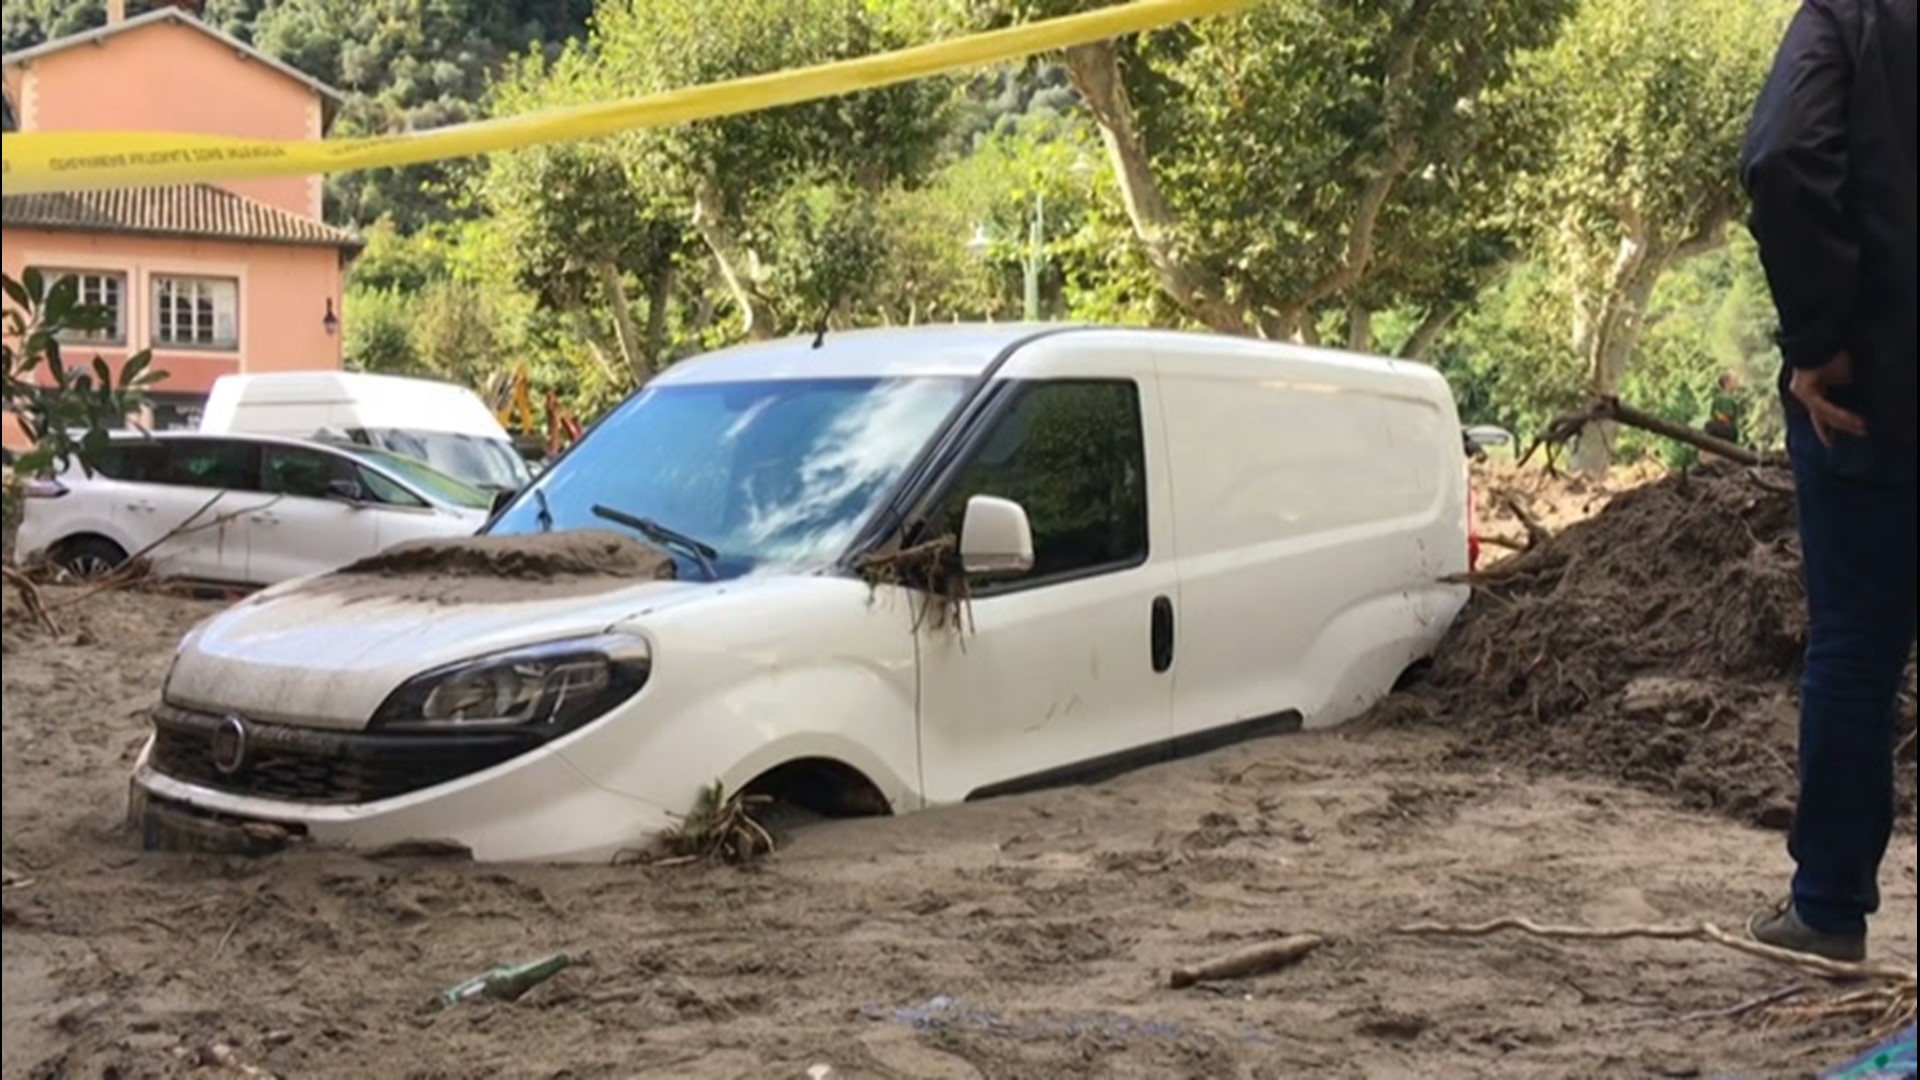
545	689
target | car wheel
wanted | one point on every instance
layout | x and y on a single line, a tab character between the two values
90	558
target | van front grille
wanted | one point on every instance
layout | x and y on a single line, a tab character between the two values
305	765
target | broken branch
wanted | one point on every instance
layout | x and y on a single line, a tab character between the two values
1537	534
30	597
129	571
1612	410
1256	960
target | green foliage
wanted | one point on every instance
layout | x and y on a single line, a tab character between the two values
626	241
1650	101
377	332
825	250
26	23
1313	155
406	65
1511	363
67	410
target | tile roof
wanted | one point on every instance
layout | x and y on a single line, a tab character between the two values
175	16
195	210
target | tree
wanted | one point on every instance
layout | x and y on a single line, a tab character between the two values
1274	163
405	65
66	410
1650	100
660	214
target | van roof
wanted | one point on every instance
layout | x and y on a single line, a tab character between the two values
965	350
950	350
304	385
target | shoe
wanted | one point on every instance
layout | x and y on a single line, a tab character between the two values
1783	928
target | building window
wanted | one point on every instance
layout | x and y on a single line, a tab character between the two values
99	289
196	313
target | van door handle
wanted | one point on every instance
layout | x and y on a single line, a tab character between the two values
266	518
1162	635
141	507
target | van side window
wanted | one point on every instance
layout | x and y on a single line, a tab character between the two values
1073	454
213	463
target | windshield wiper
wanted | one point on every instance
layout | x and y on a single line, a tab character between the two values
703	553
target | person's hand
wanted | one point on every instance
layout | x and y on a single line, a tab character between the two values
1814	388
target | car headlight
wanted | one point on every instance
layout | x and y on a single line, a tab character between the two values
544	689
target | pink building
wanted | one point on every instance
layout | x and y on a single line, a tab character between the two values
238	277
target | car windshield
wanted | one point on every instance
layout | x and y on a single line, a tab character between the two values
776	473
481	461
426	479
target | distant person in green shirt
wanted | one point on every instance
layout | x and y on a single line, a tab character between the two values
1723	417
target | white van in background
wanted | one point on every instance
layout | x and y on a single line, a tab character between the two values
444	425
1169	542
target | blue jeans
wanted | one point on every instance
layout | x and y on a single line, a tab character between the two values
1859	545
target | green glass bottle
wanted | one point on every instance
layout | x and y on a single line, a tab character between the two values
506	983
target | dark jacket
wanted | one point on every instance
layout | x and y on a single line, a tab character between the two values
1829	164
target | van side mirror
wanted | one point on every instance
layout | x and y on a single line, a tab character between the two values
500	500
996	538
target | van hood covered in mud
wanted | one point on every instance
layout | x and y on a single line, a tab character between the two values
325	652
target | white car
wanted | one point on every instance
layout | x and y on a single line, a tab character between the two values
1172	542
238	509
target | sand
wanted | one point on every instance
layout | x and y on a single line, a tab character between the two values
1024	938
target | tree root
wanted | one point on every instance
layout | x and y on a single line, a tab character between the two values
1889	1004
30	597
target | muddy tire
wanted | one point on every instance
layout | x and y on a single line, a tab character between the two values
89	558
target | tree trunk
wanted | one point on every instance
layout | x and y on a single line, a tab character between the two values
709	217
1420	344
626	333
1359	328
595	339
659	308
1095	71
1605	339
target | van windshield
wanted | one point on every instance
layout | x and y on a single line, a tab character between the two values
775	473
481	461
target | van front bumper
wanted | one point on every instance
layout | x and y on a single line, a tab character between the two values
534	807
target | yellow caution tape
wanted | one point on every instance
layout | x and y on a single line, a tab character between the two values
74	160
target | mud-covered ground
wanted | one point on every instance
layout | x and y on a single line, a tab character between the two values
1023	938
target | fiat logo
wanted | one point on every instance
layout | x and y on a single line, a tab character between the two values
230	745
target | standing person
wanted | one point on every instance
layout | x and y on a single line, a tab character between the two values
1723	415
1830	167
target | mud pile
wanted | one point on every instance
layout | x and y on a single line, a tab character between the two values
1658	643
502	569
1508	496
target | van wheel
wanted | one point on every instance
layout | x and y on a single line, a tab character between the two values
90	558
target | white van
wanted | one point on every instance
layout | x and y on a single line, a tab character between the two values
1171	542
444	425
